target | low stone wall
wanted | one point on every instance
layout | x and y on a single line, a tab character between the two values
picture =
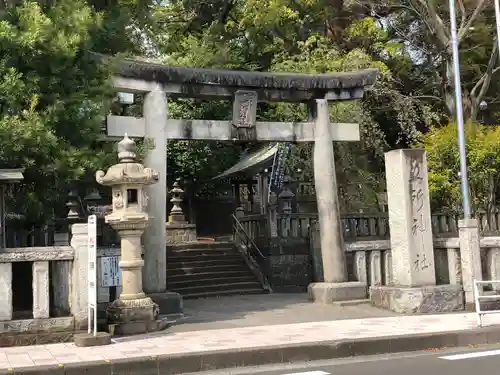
59	276
51	277
49	319
57	281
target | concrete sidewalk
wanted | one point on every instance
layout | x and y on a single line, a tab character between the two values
181	352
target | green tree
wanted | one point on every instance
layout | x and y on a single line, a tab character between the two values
358	165
53	99
303	36
424	27
483	158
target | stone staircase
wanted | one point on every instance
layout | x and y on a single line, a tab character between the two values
209	269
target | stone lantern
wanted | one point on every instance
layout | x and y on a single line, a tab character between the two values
178	229
286	196
133	311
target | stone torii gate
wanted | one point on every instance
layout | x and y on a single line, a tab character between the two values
160	82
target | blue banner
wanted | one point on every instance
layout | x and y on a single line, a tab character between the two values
278	172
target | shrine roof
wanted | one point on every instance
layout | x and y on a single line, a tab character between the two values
11	175
161	73
254	162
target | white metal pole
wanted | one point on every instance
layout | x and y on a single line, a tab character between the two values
497	19
95	321
89	320
459	112
477	304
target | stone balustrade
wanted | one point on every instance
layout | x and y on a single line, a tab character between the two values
363	226
47	264
44	294
370	261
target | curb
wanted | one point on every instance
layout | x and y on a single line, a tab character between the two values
312	351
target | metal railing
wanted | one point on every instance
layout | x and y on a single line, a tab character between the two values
478	298
252	253
246	240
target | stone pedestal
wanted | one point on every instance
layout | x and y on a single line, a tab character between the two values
133	312
418	300
133	316
180	233
334	286
413	276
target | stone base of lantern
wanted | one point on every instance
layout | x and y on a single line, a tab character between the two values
418	300
128	317
180	233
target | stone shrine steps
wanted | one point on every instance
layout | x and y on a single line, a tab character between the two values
209	269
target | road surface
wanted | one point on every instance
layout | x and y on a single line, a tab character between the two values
484	360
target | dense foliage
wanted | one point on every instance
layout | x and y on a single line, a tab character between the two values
53	96
483	156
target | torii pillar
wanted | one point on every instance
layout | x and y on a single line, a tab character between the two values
334	286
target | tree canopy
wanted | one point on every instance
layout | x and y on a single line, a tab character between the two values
54	97
483	156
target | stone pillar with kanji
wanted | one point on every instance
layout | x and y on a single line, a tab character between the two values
413	286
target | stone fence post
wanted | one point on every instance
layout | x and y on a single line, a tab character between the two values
79	289
470	258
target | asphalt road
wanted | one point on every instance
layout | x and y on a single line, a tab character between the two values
484	360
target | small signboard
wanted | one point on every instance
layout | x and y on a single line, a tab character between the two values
92	273
111	274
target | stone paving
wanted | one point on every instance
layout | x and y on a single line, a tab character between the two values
168	342
266	309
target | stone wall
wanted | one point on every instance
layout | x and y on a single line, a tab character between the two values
59	307
288	265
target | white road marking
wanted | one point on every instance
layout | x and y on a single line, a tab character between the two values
457	357
310	373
